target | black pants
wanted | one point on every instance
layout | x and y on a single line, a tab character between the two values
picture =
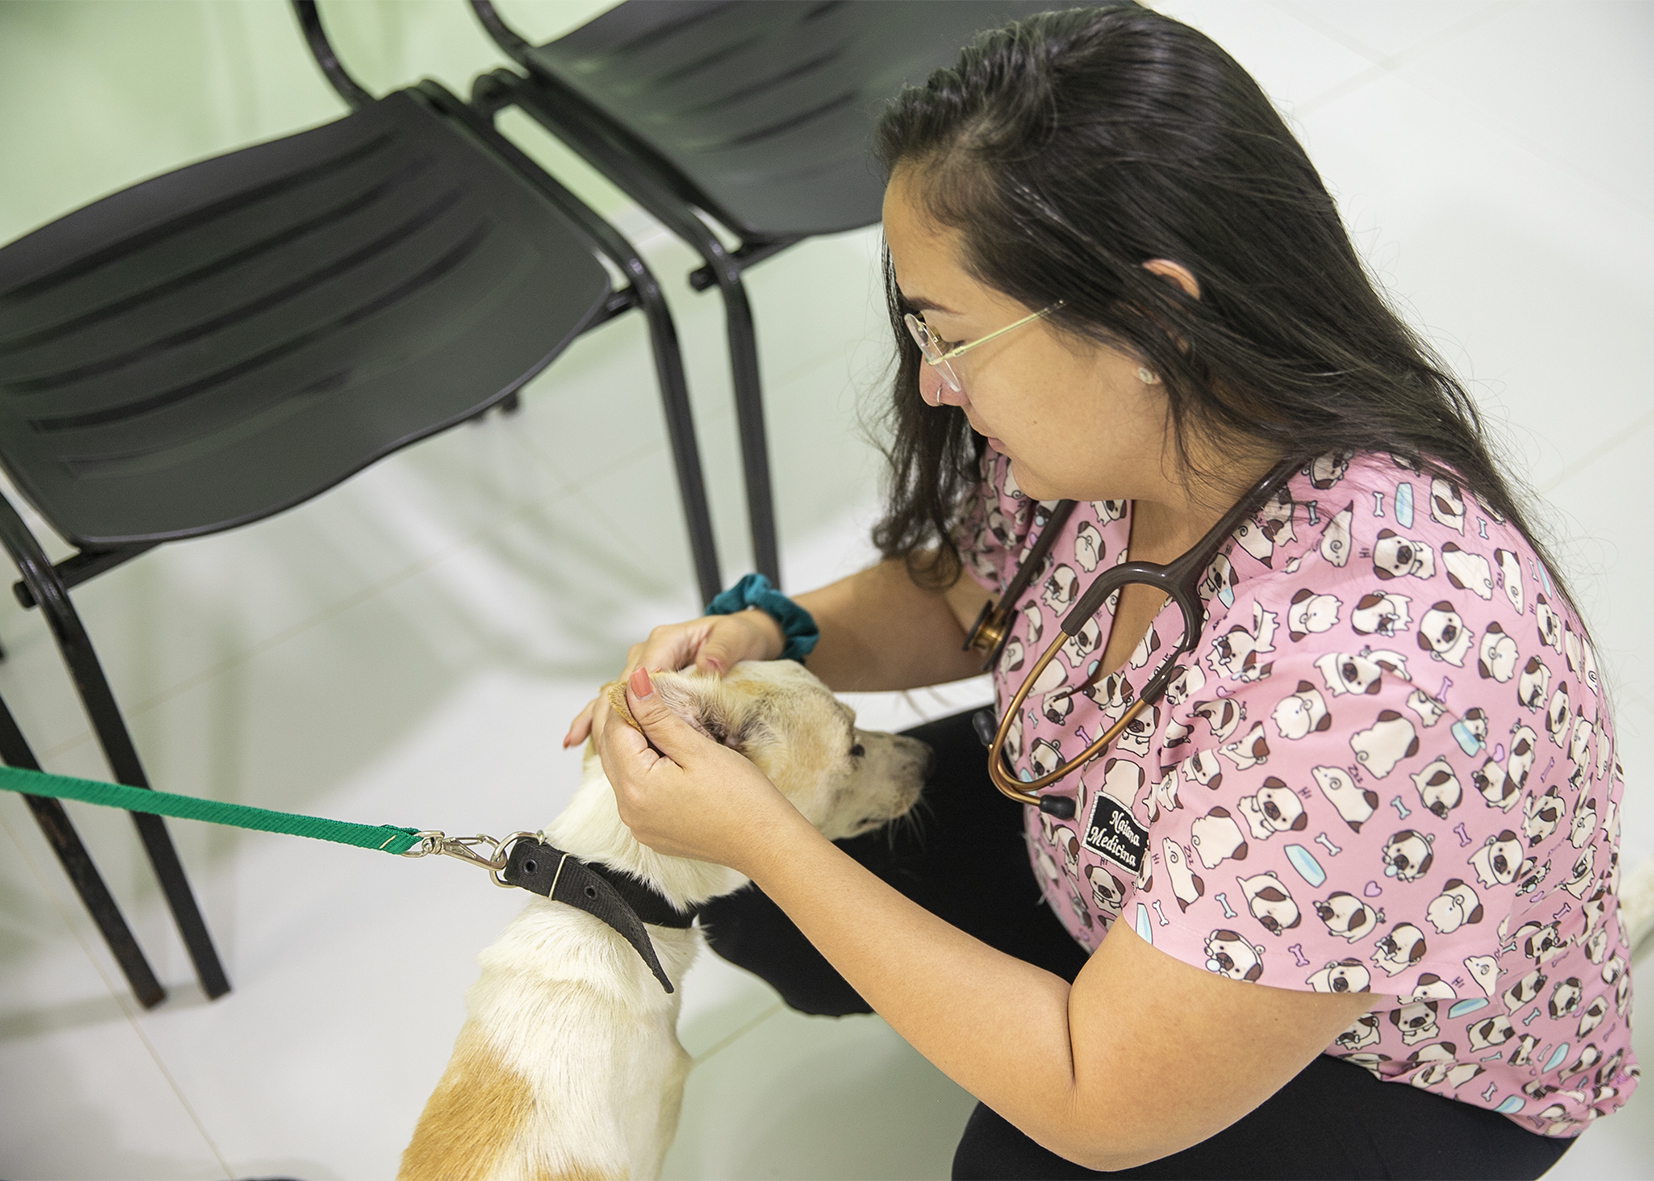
965	862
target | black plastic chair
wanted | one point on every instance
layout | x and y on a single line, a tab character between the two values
223	342
756	114
77	863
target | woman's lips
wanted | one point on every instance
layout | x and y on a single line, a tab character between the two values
993	442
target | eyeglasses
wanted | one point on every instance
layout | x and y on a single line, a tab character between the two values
939	352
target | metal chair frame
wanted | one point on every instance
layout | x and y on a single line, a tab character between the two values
77	863
671	199
47	585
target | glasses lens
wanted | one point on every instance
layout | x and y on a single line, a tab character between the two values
931	349
929	346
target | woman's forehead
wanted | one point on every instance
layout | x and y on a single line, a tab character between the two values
925	255
928	257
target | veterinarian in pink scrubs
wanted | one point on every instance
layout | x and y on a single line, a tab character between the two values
1343	902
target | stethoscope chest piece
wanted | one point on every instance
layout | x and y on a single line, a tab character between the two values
989	633
985	725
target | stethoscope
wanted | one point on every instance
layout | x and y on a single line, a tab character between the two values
1178	579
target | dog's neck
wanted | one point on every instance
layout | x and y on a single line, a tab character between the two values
591	829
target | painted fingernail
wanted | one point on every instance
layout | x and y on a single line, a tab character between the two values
641	686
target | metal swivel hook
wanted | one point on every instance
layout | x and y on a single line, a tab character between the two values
466	849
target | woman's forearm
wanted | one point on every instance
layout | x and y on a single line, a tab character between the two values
880	631
997	1026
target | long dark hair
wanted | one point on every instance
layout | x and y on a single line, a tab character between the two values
1071	148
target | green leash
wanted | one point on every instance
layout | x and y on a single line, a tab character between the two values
615	898
386	838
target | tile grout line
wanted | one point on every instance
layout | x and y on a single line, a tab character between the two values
1392	65
119	996
569	487
566	489
747	1028
355	599
1561	164
1596	453
1383	64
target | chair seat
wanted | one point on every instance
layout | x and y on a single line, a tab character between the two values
765	109
223	342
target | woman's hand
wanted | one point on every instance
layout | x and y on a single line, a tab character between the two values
683	794
712	643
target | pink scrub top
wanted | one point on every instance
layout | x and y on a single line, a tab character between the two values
1387	766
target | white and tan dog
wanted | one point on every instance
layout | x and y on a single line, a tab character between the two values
569	1064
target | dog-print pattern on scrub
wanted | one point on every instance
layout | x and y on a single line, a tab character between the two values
1388	766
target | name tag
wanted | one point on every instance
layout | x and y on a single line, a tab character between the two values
1115	834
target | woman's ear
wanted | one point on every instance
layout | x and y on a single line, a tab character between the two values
1175	273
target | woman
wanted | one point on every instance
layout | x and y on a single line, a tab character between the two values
1367	837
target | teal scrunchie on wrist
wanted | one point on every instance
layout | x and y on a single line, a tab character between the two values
797	624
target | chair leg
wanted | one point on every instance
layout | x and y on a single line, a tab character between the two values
561	113
644	291
100	904
99	702
77	863
749	417
680	428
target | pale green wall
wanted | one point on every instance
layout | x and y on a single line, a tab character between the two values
97	94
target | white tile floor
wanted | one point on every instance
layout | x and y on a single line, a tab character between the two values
408	647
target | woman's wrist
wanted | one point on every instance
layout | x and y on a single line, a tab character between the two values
798	628
779	847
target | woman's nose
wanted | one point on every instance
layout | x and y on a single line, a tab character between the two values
931	385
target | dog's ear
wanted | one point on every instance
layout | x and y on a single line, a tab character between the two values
700	702
615	691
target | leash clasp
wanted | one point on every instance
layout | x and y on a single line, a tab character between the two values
466	849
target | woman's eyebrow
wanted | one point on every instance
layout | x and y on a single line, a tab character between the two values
920	304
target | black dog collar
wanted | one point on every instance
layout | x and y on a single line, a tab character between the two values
616	898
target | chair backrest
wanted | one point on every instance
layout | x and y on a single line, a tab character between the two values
227	340
764	109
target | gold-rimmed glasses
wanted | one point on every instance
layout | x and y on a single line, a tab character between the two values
939	352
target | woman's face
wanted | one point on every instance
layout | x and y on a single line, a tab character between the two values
1074	417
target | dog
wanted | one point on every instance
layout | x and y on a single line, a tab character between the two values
569	1064
1390	739
1496	655
1443	635
1355	804
1402	557
1347	916
1381	613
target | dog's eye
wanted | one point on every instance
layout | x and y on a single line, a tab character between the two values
857	751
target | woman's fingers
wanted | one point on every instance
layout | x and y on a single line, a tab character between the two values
679	792
746	635
581	728
712	644
670	647
666	731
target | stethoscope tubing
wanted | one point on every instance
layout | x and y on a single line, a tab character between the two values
1179	580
